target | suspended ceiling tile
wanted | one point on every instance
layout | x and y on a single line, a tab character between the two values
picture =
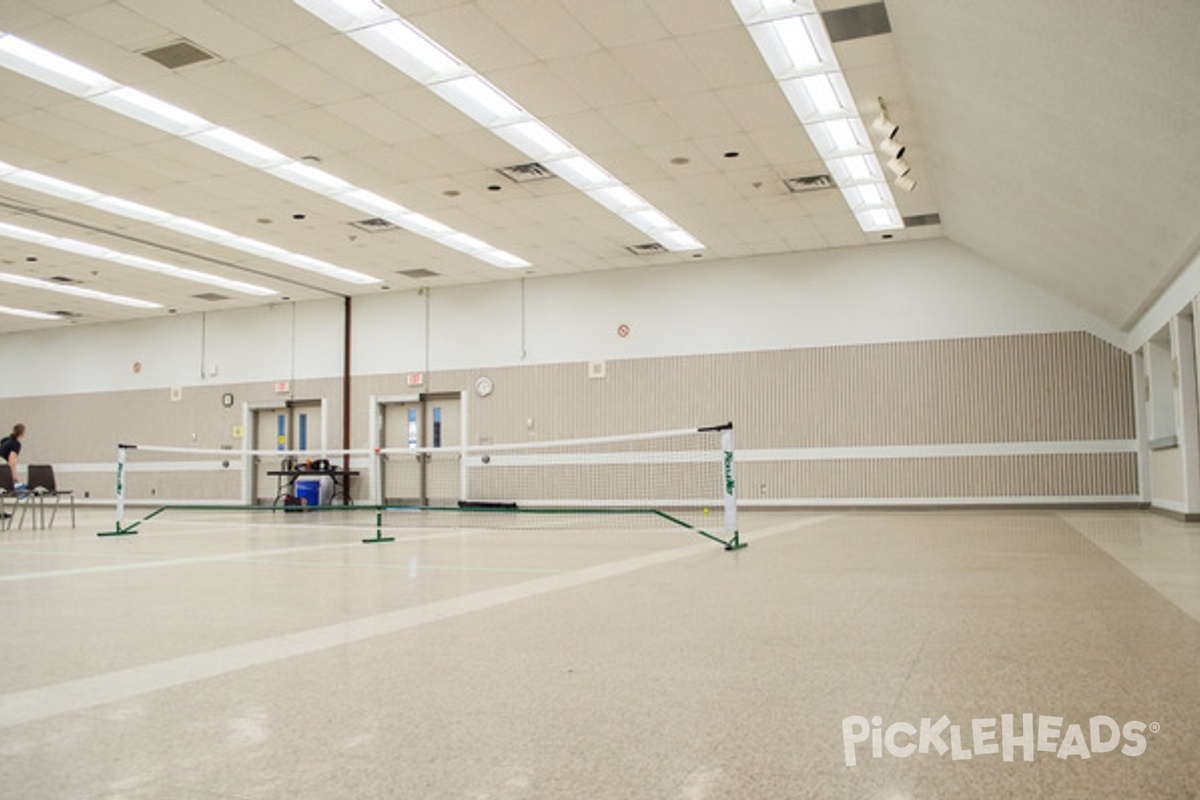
279	20
298	76
60	124
725	58
599	79
702	115
643	123
377	120
332	131
617	24
759	105
344	59
684	17
591	132
539	91
204	25
425	109
546	30
474	37
661	68
238	86
120	25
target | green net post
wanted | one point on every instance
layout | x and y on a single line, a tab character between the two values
117	529
379	537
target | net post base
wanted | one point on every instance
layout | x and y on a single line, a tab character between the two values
118	531
379	537
736	543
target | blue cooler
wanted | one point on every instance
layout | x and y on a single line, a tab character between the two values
316	490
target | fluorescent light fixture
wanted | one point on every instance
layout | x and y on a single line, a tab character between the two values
581	172
792	47
232	144
346	15
35	62
465	243
421	224
21	312
163	219
879	219
618	199
329	270
151	111
480	101
820	96
131	210
256	248
311	178
649	220
25	234
866	195
200	230
410	51
370	203
44	66
752	11
76	291
536	140
839	137
854	169
85	249
499	258
53	186
170	270
678	240
89	250
792	39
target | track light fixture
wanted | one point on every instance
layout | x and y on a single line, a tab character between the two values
899	167
895	151
884	126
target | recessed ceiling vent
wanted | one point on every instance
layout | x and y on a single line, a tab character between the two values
417	273
648	249
809	183
374	225
63	279
178	54
525	173
917	220
211	297
856	22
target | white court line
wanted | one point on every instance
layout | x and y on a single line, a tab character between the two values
153	562
62	698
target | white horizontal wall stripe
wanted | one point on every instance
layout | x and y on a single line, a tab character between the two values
940	450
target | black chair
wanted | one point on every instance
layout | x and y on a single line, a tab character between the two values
10	498
42	485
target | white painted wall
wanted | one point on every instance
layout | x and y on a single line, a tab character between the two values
903	292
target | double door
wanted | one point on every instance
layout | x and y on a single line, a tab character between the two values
424	467
293	426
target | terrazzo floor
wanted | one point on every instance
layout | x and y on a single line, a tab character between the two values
233	656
